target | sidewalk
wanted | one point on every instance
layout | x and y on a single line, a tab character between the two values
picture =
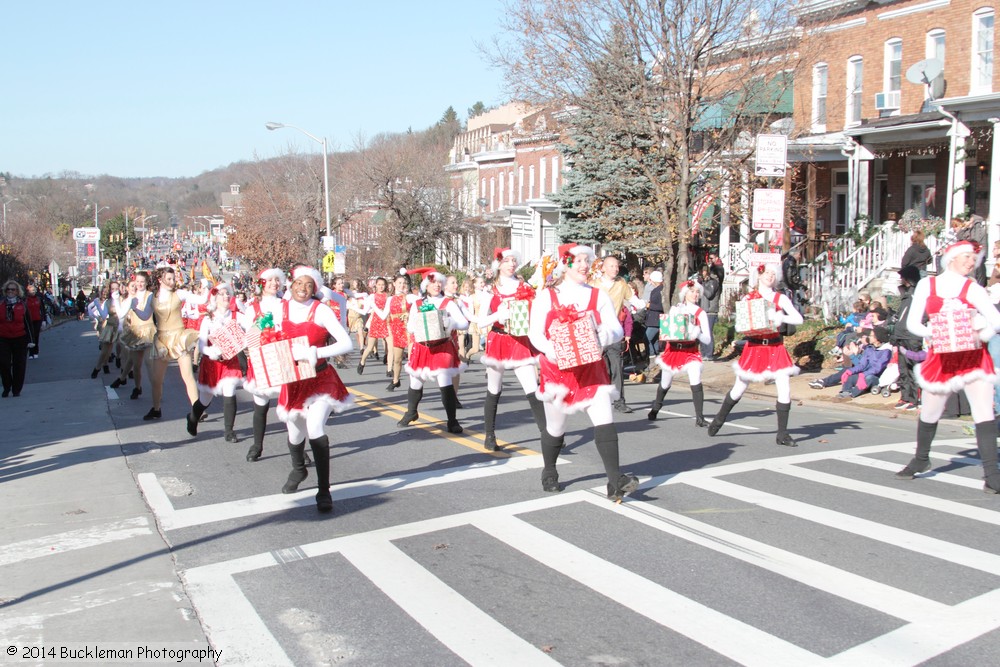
82	562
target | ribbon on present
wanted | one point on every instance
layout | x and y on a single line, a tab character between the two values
754	295
525	292
566	314
271	336
265	321
426	307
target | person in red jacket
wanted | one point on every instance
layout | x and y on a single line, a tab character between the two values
15	338
37	314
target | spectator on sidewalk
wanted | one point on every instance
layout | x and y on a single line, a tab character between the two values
15	338
711	292
863	374
622	296
654	308
918	255
39	314
905	340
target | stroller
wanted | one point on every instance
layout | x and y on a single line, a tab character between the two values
887	381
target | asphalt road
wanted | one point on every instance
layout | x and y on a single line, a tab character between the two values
734	551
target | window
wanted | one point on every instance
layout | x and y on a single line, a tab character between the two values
893	65
935	45
982	51
531	182
555	173
820	78
855	70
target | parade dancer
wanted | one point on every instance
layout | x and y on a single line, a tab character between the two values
685	355
216	376
377	307
505	351
268	306
396	318
434	360
173	342
764	356
194	310
138	331
305	405
587	387
944	373
356	310
102	310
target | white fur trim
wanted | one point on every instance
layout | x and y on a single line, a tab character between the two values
336	405
956	249
275	272
682	369
747	376
502	364
754	275
268	393
308	271
556	393
955	384
427	374
224	383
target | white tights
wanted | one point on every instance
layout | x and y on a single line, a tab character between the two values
599	412
781	383
310	425
442	379
693	371
526	375
979	393
205	397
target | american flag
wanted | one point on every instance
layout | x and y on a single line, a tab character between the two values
698	209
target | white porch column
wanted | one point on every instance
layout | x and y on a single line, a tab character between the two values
864	157
955	200
745	206
993	221
724	221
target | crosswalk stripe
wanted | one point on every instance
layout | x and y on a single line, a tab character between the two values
933	473
52	545
454	621
812	573
717	631
873	530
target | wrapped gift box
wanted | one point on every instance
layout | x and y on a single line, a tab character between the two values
273	364
751	317
676	327
575	342
517	322
951	331
430	326
230	339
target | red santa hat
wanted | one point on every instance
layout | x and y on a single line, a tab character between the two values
304	271
428	274
222	286
271	273
500	254
687	286
960	247
567	251
761	268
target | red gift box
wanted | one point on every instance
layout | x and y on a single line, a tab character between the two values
951	331
230	339
273	364
575	341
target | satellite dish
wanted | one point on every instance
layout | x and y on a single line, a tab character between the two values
924	71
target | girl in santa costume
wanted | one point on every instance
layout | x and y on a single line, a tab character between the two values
138	330
195	308
357	308
173	342
685	355
944	373
587	387
377	307
397	315
764	355
216	376
305	405
505	351
265	312
434	360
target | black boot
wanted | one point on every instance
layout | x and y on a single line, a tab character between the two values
450	400
490	420
986	441
661	393
413	397
193	417
229	418
782	437
921	461
93	374
619	484
259	426
698	400
720	418
321	455
537	411
551	446
299	472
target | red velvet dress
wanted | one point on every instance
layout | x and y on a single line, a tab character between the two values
398	312
437	359
679	354
502	349
948	372
764	357
216	375
326	387
573	389
377	327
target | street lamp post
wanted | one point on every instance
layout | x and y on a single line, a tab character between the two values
326	169
5	202
97	264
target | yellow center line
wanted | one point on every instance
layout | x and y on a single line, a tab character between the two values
437	427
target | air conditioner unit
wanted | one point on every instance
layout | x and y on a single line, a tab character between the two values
887	100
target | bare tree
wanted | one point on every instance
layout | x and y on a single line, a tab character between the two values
699	72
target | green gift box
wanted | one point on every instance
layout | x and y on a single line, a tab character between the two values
517	321
676	327
430	326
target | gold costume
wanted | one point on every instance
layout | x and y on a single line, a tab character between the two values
172	339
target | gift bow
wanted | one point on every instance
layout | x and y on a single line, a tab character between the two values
754	295
271	336
265	321
426	308
525	292
566	314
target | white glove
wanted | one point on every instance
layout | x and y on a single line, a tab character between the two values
32	346
695	332
212	352
503	313
980	324
304	353
776	316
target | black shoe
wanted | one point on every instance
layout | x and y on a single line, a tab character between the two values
651	415
152	414
118	362
700	422
93	374
324	502
107	371
117	383
491	443
454	427
626	484
231	437
6	393
392	386
458	404
192	424
785	440
408	419
136	393
361	369
131	375
550	483
913	468
253	454
622	406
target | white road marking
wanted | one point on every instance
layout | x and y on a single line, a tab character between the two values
466	630
734	425
933	473
112	394
52	545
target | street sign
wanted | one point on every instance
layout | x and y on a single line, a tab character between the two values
328	243
758	258
329	261
771	155
87	234
768	209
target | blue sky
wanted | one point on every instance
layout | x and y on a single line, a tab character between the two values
147	88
